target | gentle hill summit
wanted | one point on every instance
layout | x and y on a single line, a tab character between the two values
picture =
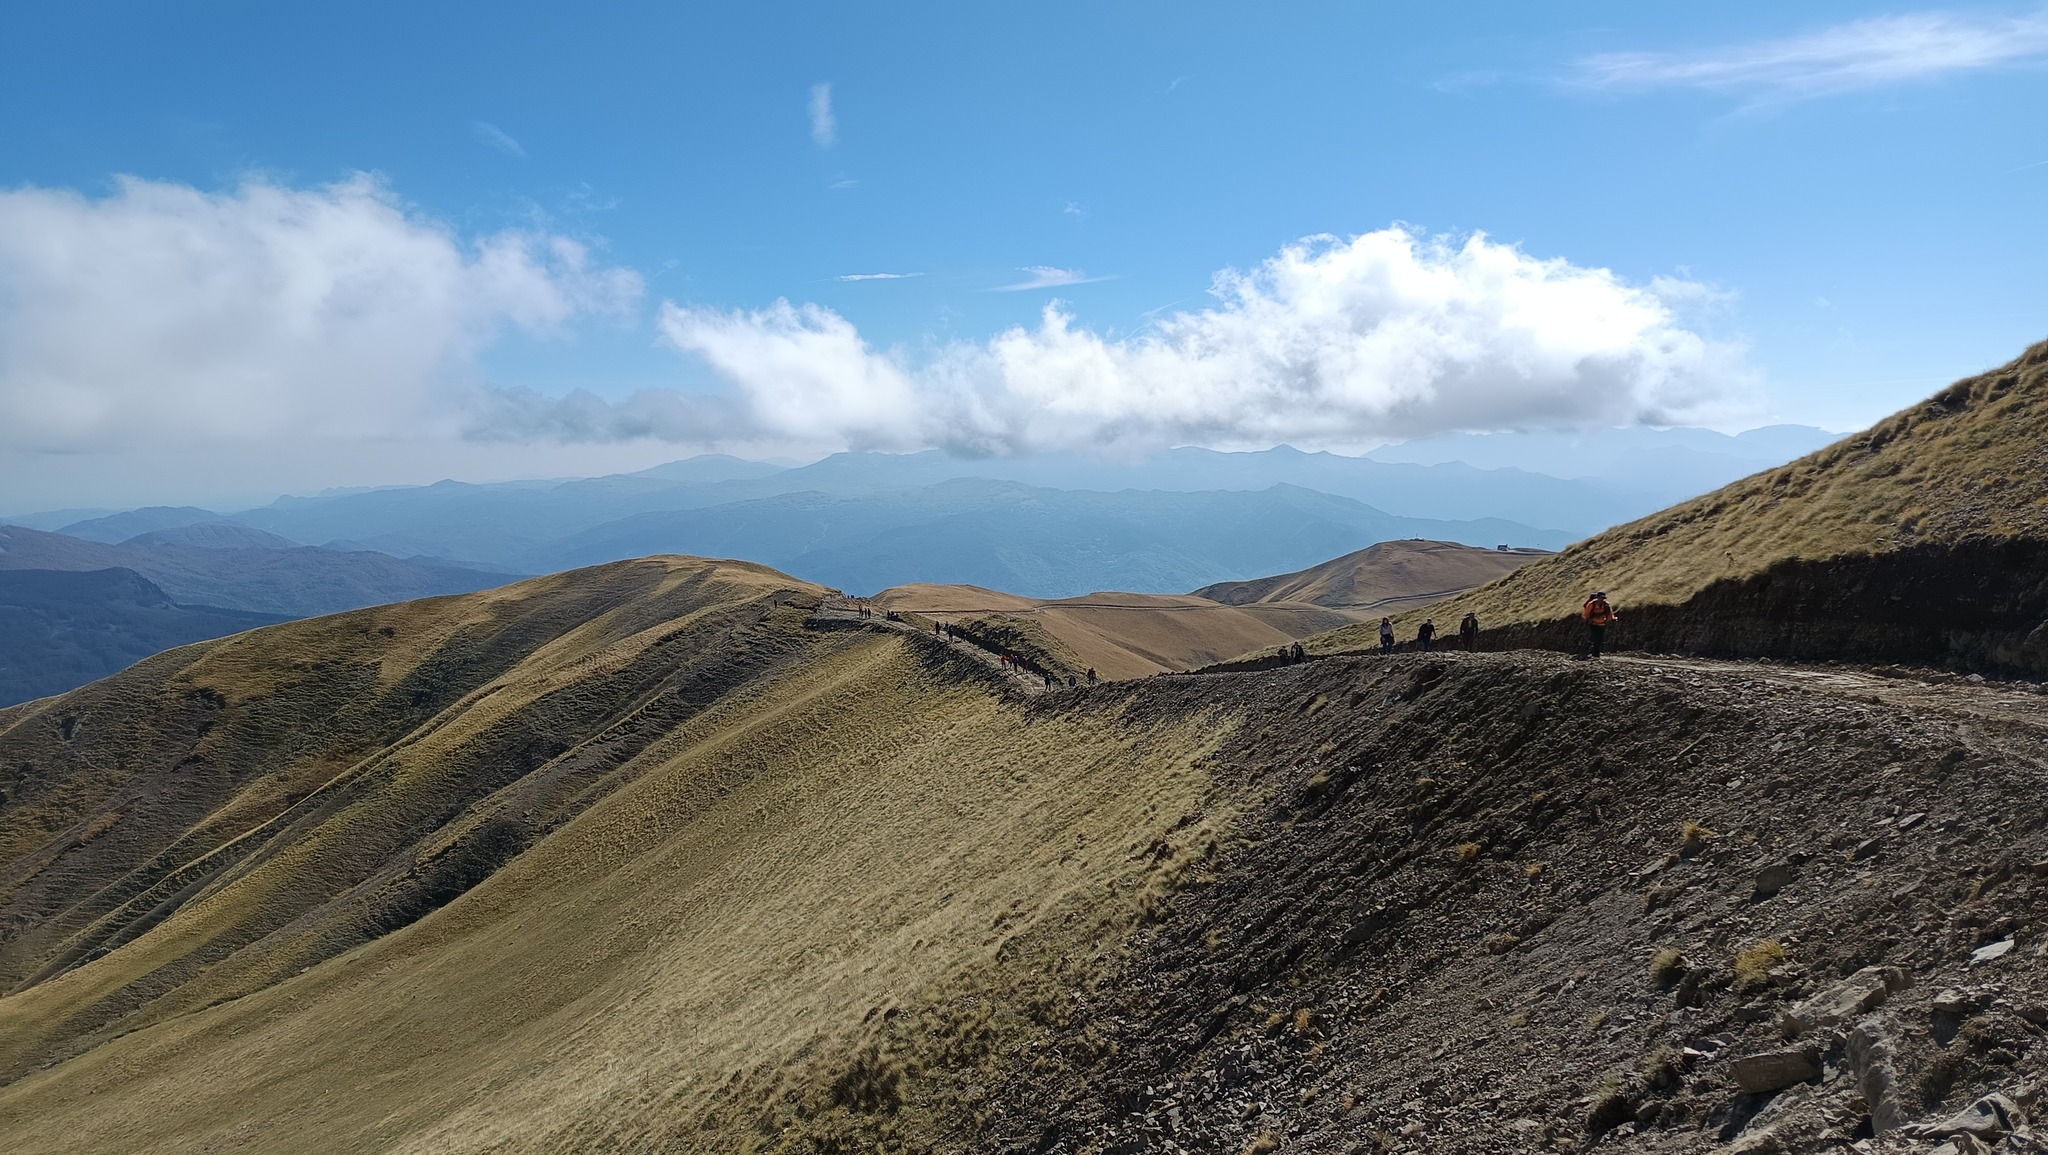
1119	635
1923	538
1380	577
119	527
221	534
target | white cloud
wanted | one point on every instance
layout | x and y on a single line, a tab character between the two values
491	136
824	126
1048	277
1861	54
1330	342
161	313
877	276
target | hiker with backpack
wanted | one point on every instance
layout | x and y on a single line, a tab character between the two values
1386	635
1598	615
1468	632
1426	634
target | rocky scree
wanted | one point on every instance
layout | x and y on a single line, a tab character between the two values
1516	903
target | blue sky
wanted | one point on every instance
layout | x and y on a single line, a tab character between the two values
1844	204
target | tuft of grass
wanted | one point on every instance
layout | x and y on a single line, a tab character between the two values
1305	1022
1694	836
1267	1141
1753	964
1468	852
1535	870
1667	967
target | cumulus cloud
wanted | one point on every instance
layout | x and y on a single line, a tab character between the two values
163	312
1330	342
491	136
1860	54
1048	277
824	126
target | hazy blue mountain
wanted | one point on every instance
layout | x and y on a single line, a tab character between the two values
53	519
295	582
62	629
221	534
509	524
1665	465
711	467
1024	539
120	527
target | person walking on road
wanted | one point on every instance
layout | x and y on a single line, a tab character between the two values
1599	615
1468	632
1425	635
1386	635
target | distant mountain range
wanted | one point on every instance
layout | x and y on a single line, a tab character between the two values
293	581
721	505
1047	526
1042	543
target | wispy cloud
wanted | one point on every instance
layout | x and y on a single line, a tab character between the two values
491	136
1048	277
1074	209
1847	57
877	276
824	126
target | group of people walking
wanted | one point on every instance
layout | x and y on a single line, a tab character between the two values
1425	634
1597	613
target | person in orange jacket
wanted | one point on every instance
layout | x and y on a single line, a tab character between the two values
1599	615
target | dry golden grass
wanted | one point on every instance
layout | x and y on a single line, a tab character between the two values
1970	462
1381	577
1753	964
1123	635
718	934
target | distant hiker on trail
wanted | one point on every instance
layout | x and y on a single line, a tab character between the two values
1468	631
1300	655
1386	635
1599	615
1091	675
1425	634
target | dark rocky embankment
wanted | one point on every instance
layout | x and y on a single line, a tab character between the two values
1980	606
1514	903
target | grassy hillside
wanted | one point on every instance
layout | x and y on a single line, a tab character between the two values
1923	534
1119	635
1382	577
619	858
